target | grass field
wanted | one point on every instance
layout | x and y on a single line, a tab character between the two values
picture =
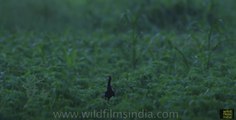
163	56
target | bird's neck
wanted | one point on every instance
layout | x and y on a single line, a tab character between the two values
109	82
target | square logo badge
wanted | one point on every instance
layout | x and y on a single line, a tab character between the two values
226	114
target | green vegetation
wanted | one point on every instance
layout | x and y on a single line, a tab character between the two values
163	55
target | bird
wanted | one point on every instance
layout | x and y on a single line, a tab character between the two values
109	93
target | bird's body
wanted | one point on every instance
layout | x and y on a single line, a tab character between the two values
109	93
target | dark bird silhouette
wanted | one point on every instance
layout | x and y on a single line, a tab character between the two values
109	93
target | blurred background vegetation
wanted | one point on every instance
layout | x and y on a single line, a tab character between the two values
108	14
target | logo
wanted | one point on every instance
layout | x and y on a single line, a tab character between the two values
226	114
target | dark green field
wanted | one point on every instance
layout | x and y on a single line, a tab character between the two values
163	56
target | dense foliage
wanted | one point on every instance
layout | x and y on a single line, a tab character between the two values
162	55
